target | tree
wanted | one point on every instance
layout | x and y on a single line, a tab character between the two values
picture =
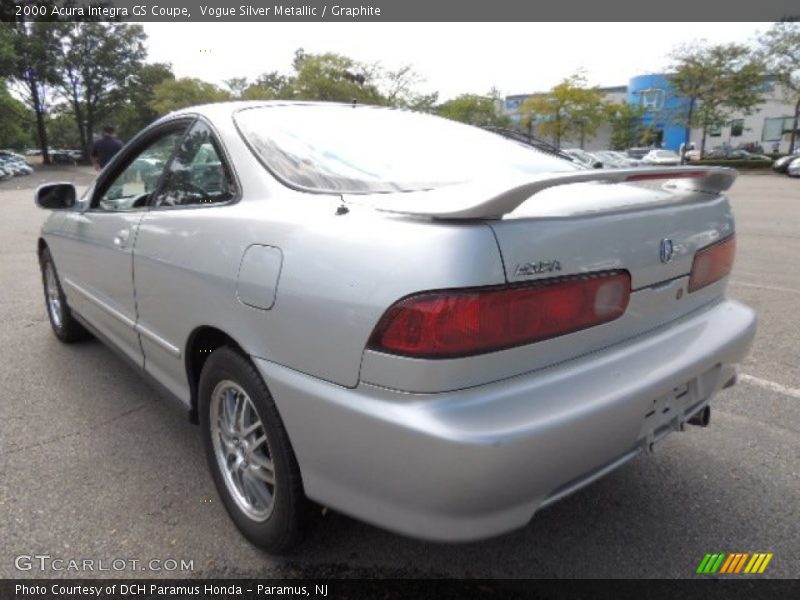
474	110
237	86
173	94
626	124
399	89
781	48
98	64
15	121
131	109
335	78
270	86
569	110
716	81
32	70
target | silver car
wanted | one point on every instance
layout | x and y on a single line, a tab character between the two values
406	319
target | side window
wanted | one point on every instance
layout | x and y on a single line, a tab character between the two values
131	188
197	174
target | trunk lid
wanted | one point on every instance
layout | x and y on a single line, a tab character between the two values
577	228
652	233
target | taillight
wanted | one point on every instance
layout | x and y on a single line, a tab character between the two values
454	323
712	263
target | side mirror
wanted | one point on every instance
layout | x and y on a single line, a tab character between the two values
56	196
597	165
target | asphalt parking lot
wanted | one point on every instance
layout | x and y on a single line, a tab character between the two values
94	465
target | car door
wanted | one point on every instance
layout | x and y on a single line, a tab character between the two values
182	249
95	252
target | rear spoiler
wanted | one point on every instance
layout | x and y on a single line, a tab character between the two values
493	199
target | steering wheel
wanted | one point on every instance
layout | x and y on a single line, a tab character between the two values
169	199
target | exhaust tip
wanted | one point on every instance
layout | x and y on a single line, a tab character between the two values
701	419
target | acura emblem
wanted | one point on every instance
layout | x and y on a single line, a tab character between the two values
666	250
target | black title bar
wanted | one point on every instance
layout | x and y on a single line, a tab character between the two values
397	10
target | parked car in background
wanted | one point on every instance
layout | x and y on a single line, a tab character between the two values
638	153
662	158
734	154
745	155
5	173
17	167
62	157
781	165
13	156
413	321
793	170
615	160
584	158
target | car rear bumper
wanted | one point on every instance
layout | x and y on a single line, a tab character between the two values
478	462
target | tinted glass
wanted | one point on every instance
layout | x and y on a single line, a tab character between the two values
341	148
197	174
130	188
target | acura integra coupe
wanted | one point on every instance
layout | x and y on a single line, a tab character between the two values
409	320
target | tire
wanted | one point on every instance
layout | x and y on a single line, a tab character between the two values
232	399
64	325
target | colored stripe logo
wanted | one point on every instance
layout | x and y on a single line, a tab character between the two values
734	563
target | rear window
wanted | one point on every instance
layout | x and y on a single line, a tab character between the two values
365	149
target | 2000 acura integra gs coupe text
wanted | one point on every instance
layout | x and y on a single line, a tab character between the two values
410	320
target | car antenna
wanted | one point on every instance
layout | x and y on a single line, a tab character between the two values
355	101
342	208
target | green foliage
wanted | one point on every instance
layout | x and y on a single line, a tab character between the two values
7	54
270	86
237	86
735	164
717	81
98	64
132	111
61	129
336	78
15	121
174	94
474	110
332	77
32	69
626	125
568	111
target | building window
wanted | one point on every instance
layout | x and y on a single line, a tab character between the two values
715	130
775	127
737	127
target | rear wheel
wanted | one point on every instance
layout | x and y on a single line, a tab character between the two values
64	325
249	453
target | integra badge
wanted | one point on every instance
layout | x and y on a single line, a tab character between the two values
537	268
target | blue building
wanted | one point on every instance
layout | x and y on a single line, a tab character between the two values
663	106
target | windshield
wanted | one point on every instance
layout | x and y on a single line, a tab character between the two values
364	149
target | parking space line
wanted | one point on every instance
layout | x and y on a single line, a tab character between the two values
770	385
774	288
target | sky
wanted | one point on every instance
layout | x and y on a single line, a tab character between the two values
452	58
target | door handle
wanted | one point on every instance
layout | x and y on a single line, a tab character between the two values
121	239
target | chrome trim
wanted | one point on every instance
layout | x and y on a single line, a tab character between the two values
110	310
158	341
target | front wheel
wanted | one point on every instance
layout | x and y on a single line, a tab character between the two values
64	325
248	452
